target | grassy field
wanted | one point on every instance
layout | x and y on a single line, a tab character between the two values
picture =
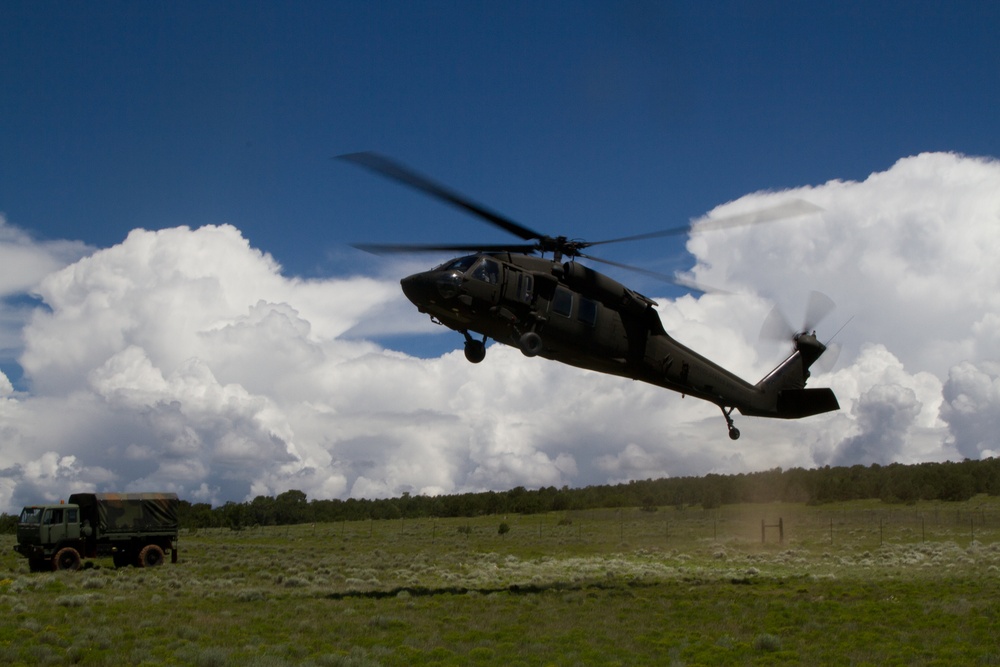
849	584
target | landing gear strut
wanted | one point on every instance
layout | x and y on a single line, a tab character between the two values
475	350
734	433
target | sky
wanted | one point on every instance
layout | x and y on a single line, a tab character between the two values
181	307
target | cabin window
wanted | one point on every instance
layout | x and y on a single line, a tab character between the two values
587	312
71	516
53	517
525	286
488	271
562	302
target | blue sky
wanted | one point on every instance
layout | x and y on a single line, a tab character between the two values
215	373
588	119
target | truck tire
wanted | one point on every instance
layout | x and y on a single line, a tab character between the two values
66	558
150	556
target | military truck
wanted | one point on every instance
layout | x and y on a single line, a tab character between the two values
133	528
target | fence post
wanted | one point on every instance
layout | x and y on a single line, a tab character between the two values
780	526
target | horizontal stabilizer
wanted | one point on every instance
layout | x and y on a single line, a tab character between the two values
798	403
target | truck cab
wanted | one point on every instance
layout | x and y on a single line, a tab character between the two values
42	530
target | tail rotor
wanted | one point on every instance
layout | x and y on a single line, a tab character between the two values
777	327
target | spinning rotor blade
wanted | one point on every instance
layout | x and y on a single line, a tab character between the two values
829	359
777	327
385	249
820	305
788	209
394	170
663	277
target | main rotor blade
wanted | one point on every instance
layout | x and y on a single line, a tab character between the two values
662	277
789	209
382	249
402	174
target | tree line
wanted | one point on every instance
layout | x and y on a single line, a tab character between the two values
895	483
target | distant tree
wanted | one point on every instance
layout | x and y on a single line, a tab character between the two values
290	507
8	523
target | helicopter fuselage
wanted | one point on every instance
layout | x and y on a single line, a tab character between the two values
570	313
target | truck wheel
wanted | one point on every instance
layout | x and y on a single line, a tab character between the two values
66	558
150	556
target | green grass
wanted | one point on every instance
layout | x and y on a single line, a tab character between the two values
851	584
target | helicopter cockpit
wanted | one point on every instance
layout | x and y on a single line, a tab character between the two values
455	276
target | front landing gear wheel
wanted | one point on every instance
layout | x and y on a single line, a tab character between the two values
475	350
734	433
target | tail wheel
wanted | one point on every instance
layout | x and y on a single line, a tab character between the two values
150	556
66	558
734	433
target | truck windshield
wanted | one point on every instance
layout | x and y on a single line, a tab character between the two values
31	515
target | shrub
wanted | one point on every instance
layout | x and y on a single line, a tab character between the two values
767	643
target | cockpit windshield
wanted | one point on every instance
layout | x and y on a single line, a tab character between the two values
461	264
31	515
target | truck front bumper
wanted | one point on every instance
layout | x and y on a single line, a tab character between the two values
30	550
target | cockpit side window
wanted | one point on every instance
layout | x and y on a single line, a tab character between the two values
488	271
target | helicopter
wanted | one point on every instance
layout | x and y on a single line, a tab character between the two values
559	309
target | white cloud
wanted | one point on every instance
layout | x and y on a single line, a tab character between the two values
25	261
972	408
183	359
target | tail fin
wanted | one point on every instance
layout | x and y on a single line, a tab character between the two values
785	385
798	403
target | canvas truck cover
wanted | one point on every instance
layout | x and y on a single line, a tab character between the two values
125	512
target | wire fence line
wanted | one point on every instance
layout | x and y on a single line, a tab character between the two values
636	528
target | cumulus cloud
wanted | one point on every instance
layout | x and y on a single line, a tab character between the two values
971	408
25	261
183	359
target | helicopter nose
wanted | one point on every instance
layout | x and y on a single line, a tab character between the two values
431	286
415	288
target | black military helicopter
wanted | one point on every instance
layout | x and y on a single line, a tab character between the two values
559	309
